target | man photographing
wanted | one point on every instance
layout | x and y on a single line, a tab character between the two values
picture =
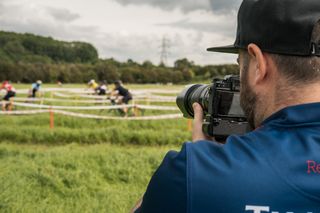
274	168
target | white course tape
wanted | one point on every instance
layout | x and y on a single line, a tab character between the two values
30	100
58	94
86	90
23	112
81	115
91	96
166	108
71	90
156	107
154	100
149	96
62	95
155	97
158	97
161	91
155	117
61	100
71	107
81	91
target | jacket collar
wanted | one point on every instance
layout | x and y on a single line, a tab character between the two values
298	114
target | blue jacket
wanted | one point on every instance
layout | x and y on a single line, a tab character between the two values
36	86
275	168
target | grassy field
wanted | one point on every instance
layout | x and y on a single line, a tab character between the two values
35	129
82	165
74	178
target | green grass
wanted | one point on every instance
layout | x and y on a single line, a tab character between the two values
75	178
35	129
82	165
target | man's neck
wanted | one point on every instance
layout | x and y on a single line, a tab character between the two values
288	96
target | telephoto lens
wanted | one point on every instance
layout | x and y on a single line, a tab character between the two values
194	93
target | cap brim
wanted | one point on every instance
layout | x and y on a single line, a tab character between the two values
225	49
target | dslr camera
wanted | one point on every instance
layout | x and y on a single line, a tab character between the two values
220	100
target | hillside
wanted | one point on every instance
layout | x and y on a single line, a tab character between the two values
26	58
31	48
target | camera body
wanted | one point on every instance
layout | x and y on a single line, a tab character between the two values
223	115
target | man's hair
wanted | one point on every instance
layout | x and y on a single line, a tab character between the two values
300	69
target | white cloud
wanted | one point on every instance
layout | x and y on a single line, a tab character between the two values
184	5
62	14
123	32
224	5
221	24
187	5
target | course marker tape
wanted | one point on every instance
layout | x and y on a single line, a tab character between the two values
24	112
151	97
30	100
96	107
81	115
60	100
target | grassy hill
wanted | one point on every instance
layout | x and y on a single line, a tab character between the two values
34	49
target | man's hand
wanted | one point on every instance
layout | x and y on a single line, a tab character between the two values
197	133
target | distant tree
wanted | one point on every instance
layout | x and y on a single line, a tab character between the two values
105	70
185	67
182	64
90	74
28	57
147	65
127	75
85	52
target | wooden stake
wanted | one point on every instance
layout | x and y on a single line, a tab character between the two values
135	111
11	105
51	118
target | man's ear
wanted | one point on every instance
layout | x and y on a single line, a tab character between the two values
259	63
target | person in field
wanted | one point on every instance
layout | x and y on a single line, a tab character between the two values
275	167
35	89
93	85
121	96
10	93
103	88
59	83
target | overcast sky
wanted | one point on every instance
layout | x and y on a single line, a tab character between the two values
133	29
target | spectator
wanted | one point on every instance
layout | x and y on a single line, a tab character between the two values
274	168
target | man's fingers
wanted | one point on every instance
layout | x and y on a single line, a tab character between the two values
197	133
198	113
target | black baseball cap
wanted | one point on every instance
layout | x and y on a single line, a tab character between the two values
276	26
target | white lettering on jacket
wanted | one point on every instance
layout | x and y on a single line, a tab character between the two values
262	209
258	209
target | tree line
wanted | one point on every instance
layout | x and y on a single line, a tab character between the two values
26	58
